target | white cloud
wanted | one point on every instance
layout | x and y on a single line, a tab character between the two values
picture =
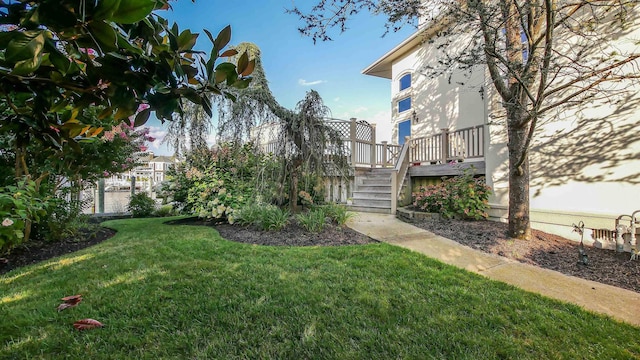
158	134
360	110
304	82
336	99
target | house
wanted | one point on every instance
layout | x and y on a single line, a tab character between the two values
584	159
151	167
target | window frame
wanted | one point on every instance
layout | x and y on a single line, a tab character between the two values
403	77
409	106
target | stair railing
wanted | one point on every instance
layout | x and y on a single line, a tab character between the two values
398	174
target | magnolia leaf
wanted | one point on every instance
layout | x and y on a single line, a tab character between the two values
249	69
243	62
96	132
87	324
223	38
142	117
72	298
230	52
69	302
186	40
105	35
106	9
132	11
28	66
25	45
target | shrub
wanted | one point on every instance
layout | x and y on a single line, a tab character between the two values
249	214
313	220
164	210
141	205
265	217
273	218
338	213
19	205
463	196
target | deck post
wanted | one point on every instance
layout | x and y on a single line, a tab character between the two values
373	145
352	137
384	154
444	143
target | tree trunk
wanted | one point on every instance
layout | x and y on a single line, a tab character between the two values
293	196
519	222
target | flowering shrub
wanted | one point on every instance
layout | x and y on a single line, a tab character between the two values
215	184
18	205
463	196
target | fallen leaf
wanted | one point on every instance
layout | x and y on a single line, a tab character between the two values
87	324
65	306
69	301
72	298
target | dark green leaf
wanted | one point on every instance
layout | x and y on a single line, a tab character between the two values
106	9
132	11
142	117
186	40
26	45
223	38
105	35
28	66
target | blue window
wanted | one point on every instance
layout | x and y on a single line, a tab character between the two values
404	129
405	82
404	104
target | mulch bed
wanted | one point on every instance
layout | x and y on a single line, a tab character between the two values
291	235
36	251
544	250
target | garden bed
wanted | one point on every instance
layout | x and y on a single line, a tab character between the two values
545	250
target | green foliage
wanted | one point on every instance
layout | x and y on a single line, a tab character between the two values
214	184
141	205
250	214
164	211
265	217
19	205
313	220
64	217
273	218
338	213
463	196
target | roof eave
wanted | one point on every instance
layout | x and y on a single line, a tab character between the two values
383	66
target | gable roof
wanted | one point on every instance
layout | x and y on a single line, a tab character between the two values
383	66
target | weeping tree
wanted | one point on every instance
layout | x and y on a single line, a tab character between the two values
542	57
189	130
306	145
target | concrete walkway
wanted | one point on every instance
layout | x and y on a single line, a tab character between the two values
621	304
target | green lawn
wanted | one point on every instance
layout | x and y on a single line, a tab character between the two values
183	292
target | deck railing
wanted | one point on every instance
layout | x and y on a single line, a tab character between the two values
359	139
467	143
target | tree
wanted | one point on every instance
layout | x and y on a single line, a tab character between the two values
61	58
541	55
303	137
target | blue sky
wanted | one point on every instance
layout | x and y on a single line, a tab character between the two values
293	64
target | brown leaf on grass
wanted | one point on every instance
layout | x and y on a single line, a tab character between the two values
72	298
87	324
69	302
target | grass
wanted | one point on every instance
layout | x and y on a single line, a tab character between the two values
183	292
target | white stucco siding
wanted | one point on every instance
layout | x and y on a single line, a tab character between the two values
453	100
585	157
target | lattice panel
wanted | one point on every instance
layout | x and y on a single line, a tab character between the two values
363	131
343	127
